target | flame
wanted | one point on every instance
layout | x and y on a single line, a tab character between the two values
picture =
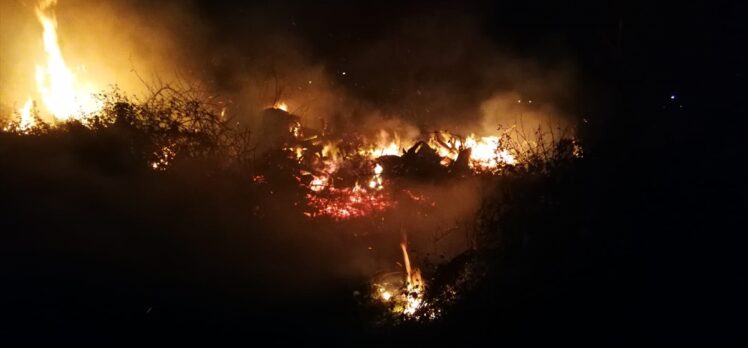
340	203
62	95
26	122
295	129
386	295
389	149
376	181
414	284
319	183
326	198
378	169
486	152
281	106
385	145
404	295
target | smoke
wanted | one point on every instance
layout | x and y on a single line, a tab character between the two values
435	70
429	67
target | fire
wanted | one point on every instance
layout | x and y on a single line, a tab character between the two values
319	183
345	203
486	153
414	284
281	106
328	165
386	295
403	293
63	96
27	121
376	181
384	145
390	149
340	203
162	159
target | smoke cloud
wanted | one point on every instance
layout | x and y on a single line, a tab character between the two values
428	67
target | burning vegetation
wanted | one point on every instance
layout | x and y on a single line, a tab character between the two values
63	96
334	177
338	179
403	292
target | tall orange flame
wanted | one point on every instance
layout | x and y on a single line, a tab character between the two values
414	284
63	96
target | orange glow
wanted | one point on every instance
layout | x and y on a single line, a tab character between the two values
404	294
345	203
63	96
386	144
414	284
281	106
376	181
390	149
486	153
27	122
378	169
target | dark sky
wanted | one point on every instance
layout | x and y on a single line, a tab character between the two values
671	45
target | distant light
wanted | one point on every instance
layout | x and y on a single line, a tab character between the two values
672	97
519	101
530	101
310	82
343	73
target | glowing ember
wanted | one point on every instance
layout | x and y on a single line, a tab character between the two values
345	203
259	179
386	295
486	152
391	149
163	158
318	183
328	199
